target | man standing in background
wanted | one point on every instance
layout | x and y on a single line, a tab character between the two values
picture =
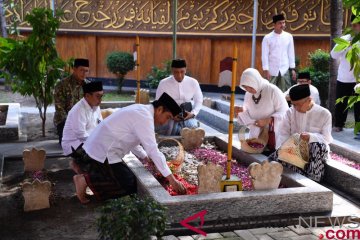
345	83
68	92
278	55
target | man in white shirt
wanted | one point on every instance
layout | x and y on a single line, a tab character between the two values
123	131
278	55
345	83
304	78
186	92
313	123
84	116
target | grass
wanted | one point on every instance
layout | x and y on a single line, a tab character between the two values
118	97
125	96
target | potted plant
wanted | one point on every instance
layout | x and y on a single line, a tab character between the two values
131	217
120	63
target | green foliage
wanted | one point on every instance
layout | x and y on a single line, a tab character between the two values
157	74
130	218
319	73
320	60
32	66
354	47
120	63
357	128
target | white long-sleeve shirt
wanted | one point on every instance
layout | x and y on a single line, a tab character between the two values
316	122
80	122
314	93
271	104
188	90
278	54
344	73
124	131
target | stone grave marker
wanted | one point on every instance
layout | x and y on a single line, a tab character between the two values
207	102
192	138
36	195
34	159
266	175
209	176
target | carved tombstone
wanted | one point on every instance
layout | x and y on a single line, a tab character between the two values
144	96
209	176
107	112
192	138
266	175
36	195
34	160
207	102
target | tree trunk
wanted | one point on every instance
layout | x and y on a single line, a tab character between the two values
336	23
43	119
3	31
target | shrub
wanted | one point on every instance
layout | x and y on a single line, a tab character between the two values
131	217
157	74
32	65
319	73
120	63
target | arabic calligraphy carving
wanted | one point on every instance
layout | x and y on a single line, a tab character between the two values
194	16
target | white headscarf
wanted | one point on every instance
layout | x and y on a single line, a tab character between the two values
252	78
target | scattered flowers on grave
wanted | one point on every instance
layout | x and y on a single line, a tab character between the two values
255	145
33	175
188	176
216	157
190	188
345	161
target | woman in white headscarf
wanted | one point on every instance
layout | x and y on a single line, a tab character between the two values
263	102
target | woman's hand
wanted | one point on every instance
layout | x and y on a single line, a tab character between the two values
262	122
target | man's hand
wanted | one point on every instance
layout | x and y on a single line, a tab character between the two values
188	115
293	75
262	122
178	186
305	136
267	74
177	118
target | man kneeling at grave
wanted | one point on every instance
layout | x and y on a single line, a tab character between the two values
304	78
186	92
101	155
305	135
82	119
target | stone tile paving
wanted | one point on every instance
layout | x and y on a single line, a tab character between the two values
286	233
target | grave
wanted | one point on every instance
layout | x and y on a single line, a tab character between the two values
9	128
302	195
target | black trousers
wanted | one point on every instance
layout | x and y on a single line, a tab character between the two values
342	90
60	129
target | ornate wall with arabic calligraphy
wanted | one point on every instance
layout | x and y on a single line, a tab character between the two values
195	17
94	28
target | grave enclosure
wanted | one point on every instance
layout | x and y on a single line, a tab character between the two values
301	196
9	126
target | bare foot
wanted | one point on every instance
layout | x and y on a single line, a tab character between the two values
75	167
80	186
